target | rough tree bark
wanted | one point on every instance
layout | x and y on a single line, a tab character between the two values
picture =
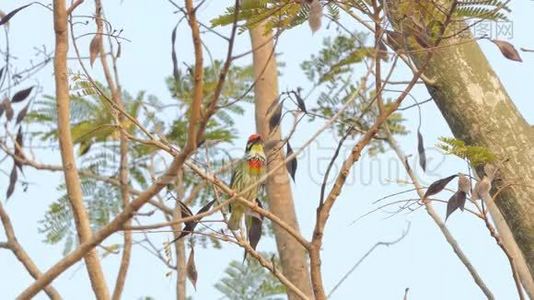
292	254
72	180
479	111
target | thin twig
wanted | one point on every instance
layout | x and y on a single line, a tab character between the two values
371	250
116	96
439	222
73	6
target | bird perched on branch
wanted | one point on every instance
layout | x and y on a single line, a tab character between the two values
245	177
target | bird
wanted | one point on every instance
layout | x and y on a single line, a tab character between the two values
247	173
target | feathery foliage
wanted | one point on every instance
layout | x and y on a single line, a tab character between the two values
278	14
250	281
483	9
476	155
333	70
95	131
102	202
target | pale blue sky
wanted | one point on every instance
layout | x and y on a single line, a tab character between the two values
423	261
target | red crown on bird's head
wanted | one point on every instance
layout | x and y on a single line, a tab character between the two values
254	138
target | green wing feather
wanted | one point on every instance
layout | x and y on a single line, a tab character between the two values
241	179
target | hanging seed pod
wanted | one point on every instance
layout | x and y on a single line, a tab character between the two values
464	184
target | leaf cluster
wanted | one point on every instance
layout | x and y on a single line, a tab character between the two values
250	281
483	9
333	70
102	202
220	127
277	14
476	155
95	131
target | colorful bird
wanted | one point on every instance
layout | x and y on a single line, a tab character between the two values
246	174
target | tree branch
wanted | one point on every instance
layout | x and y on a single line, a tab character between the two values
19	252
271	267
489	201
198	80
72	180
323	210
234	197
369	252
169	175
115	225
439	222
73	6
116	96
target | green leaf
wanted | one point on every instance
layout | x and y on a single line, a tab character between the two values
250	281
476	155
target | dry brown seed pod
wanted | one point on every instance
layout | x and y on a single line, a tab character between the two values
482	188
464	184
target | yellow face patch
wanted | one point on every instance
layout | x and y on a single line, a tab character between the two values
256	159
256	150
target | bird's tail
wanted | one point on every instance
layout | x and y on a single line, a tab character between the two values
235	219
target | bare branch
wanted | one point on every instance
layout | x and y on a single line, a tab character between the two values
270	266
371	250
116	96
72	180
323	211
73	6
198	80
439	222
19	252
490	201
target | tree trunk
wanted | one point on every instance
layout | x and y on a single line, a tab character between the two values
479	111
292	254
